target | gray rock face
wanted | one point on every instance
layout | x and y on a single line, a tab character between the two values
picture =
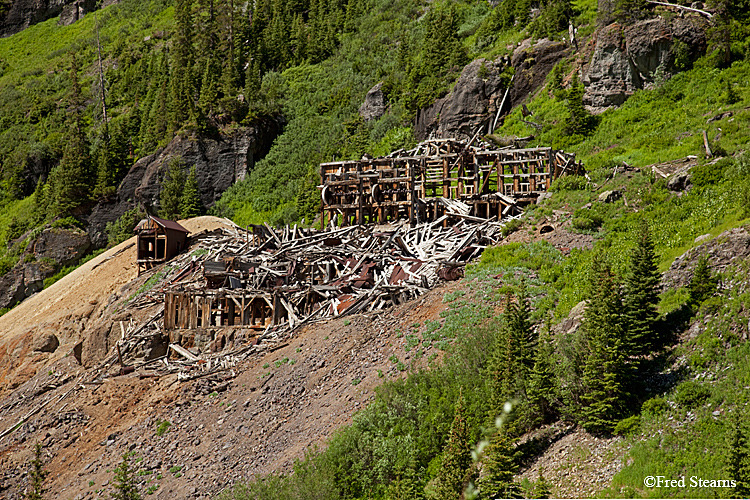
374	106
532	64
12	288
471	104
219	163
626	59
21	14
478	92
64	246
74	11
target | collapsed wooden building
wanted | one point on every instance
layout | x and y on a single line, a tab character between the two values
442	203
420	184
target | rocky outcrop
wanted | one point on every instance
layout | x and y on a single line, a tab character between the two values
481	87
375	105
219	162
532	64
64	246
20	14
629	58
729	248
53	249
471	104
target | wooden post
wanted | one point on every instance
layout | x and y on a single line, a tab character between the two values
446	179
412	197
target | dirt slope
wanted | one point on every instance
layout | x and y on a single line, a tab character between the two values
67	309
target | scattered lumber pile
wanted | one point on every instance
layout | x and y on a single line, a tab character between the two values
243	290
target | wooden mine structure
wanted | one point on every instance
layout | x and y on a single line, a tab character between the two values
158	240
419	185
251	309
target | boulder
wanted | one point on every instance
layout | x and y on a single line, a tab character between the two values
12	288
46	342
729	248
64	246
532	64
610	196
374	106
678	182
640	56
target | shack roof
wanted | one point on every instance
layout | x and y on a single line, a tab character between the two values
166	224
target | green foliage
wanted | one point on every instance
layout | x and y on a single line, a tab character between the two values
655	407
628	426
172	186
456	459
37	474
641	295
162	427
691	394
499	468
604	374
703	282
124	481
190	202
738	458
122	228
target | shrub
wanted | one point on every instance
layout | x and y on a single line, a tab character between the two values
162	426
655	406
569	183
628	426
691	394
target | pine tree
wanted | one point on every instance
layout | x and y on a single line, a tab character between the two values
542	487
703	283
522	328
71	180
604	373
498	469
37	474
541	386
504	367
190	201
642	294
738	459
181	105
124	481
171	191
580	120
456	457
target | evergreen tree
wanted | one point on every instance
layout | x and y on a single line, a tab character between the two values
37	474
504	365
738	459
210	86
522	328
703	283
642	294
124	481
171	191
580	121
498	469
181	105
190	201
456	461
70	181
542	487
541	386
604	373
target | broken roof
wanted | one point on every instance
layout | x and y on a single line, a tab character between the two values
166	224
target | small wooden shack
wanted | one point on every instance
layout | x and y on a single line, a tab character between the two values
158	241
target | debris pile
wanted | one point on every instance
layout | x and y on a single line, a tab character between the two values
241	290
